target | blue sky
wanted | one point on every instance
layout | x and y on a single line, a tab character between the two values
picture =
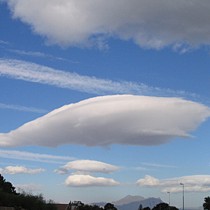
135	78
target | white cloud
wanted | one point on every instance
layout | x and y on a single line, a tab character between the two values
87	180
106	120
29	156
31	72
148	181
20	170
194	183
149	23
87	166
119	119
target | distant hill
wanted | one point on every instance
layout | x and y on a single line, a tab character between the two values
128	199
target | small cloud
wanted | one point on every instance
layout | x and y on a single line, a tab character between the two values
194	183
20	170
148	181
88	181
107	120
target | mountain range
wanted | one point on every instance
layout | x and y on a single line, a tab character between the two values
132	202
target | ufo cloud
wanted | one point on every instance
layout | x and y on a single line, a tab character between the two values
107	120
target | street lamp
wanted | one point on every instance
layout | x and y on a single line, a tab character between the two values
183	193
169	200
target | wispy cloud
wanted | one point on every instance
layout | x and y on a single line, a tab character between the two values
194	183
3	42
156	165
21	70
151	166
40	55
22	108
29	156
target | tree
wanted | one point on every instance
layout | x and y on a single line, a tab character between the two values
161	206
110	206
140	207
206	204
6	187
164	206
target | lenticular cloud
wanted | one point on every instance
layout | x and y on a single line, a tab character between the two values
106	120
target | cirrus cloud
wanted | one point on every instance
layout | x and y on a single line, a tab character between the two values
106	120
88	180
150	24
194	183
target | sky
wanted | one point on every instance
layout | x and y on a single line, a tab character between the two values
103	99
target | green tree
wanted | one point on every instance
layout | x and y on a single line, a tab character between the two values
164	206
6	187
206	204
140	207
161	206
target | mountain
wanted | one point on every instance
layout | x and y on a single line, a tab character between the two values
148	202
128	199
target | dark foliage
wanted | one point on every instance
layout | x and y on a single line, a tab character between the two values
90	207
164	206
110	206
206	204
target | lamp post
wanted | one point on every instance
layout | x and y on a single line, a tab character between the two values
169	200
182	193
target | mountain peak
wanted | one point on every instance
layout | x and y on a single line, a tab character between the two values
128	199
